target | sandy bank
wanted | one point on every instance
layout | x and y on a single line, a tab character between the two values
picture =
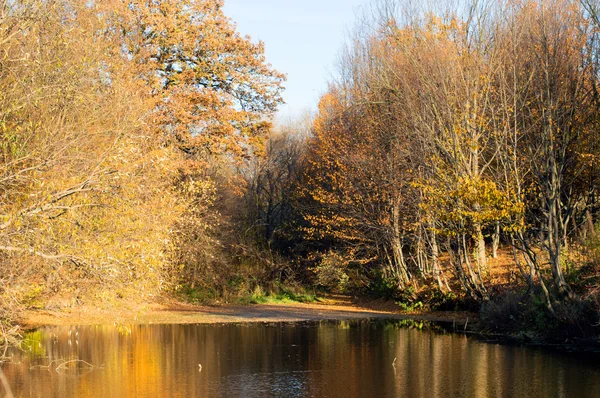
180	313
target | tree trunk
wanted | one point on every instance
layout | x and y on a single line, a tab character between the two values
589	229
438	275
480	255
396	243
555	236
496	240
474	275
399	262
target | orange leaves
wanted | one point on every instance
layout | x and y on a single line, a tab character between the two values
112	115
212	87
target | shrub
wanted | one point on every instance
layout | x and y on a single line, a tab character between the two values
331	272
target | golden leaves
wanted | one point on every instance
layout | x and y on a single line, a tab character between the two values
212	88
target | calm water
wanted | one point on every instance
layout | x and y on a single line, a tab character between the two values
325	359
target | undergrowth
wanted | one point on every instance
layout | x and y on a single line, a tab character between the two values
279	295
272	294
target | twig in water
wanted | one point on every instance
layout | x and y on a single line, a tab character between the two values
62	365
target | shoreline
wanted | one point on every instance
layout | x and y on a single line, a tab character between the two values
180	313
183	313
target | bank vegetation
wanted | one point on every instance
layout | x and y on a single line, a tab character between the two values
452	163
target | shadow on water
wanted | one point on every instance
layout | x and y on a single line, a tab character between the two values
311	359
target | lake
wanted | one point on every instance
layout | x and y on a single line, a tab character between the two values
318	359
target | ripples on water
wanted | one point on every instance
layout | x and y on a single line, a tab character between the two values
324	359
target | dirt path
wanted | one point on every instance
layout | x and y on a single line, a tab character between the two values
178	313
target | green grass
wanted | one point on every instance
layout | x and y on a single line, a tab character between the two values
281	296
276	295
197	296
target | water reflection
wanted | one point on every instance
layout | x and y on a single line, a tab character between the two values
327	359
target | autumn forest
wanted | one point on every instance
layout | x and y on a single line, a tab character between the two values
452	164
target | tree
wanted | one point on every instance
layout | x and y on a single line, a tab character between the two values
213	89
118	121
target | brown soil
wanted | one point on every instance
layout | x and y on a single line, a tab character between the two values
173	312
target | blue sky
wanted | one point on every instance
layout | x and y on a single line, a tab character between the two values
302	39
